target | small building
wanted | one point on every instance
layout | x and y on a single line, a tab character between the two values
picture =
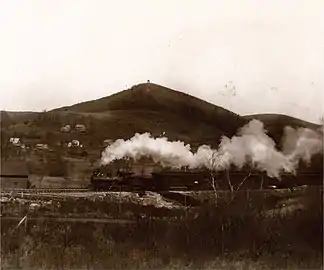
74	143
14	175
15	141
80	128
41	146
66	129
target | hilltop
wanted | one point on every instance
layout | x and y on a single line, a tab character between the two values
150	105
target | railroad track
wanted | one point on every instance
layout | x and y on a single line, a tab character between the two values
88	190
73	190
78	190
46	190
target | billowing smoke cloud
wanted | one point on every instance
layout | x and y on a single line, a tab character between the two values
254	145
251	145
302	144
175	154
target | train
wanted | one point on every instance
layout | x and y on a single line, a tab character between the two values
197	180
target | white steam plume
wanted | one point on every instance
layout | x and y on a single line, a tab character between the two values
302	144
160	149
251	145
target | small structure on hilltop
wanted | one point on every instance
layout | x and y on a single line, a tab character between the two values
14	174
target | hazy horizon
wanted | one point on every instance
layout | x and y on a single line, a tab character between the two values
247	56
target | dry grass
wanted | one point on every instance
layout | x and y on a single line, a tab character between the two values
123	256
234	236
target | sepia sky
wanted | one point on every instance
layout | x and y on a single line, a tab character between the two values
248	56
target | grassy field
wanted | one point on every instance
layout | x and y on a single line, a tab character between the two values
269	230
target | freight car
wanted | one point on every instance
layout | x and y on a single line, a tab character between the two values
199	180
190	180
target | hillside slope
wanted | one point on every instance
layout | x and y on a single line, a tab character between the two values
155	98
144	108
281	120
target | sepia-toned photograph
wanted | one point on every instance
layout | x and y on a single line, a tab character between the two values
159	134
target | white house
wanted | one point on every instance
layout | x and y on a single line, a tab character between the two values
66	128
74	143
15	141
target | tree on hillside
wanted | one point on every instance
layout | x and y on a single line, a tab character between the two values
41	119
213	162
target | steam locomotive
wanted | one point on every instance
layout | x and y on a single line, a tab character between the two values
156	181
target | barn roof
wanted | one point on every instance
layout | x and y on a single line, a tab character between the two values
13	167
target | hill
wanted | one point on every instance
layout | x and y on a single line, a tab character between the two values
145	107
281	120
159	100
